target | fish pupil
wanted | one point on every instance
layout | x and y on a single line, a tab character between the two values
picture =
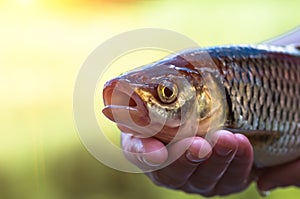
168	92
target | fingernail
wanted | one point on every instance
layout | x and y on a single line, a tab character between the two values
264	193
241	150
149	162
205	150
194	158
200	153
223	150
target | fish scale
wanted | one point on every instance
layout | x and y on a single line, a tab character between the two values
264	94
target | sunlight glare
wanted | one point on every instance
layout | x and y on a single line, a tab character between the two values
25	2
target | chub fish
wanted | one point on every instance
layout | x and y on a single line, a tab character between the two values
248	89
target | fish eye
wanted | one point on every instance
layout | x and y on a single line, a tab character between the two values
167	92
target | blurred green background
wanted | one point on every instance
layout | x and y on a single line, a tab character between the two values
43	44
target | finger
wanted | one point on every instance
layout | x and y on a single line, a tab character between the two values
210	172
145	153
236	178
177	173
280	176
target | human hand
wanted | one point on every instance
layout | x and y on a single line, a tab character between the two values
279	176
219	170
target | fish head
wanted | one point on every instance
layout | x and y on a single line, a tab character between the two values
160	99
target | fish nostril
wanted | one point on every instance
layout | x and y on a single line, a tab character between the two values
132	102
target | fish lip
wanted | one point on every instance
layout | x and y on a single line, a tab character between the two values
120	95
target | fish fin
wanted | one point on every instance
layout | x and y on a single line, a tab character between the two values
258	137
295	46
285	38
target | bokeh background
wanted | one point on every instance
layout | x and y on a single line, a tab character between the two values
43	43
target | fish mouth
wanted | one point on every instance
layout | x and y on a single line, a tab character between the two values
123	105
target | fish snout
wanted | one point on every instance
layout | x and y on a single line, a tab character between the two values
123	105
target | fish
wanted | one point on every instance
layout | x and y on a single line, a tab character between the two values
249	89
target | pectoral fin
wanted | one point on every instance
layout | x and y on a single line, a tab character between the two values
257	137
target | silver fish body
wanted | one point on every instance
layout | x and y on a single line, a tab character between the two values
253	90
262	85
